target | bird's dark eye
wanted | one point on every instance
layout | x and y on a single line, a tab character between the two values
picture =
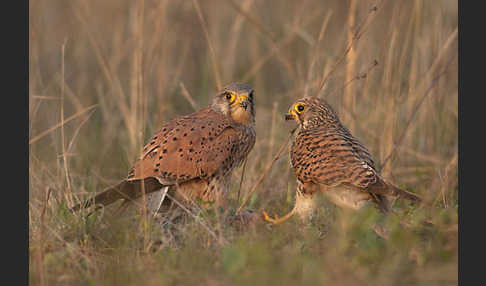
299	108
230	96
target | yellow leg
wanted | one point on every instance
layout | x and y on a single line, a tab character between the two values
277	220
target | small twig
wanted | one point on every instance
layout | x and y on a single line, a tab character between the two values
272	131
45	97
76	132
258	64
40	252
188	96
44	133
267	35
276	48
359	76
195	218
258	25
217	74
452	163
63	143
357	35
267	169
316	51
241	180
44	206
414	112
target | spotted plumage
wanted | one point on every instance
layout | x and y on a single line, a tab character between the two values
327	158
192	156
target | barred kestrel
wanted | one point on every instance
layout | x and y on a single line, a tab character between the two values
327	158
192	156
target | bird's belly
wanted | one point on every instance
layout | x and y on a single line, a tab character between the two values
215	190
347	198
188	193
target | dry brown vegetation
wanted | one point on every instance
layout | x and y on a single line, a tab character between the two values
104	75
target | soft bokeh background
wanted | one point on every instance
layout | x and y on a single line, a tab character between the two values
104	75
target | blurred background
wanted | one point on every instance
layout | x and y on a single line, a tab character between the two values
105	75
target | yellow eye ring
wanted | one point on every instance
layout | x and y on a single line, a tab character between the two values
230	96
299	108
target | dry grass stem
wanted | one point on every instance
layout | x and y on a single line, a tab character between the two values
267	169
356	36
217	74
414	112
188	96
74	116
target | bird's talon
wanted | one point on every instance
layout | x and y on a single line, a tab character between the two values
276	219
267	218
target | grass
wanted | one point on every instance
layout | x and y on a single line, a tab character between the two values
104	75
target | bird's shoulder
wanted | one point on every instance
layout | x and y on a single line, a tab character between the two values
188	147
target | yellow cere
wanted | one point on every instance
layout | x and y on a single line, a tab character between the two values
240	99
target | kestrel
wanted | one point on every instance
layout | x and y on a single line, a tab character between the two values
192	156
327	158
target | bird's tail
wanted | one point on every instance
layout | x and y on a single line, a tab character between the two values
383	187
128	190
396	191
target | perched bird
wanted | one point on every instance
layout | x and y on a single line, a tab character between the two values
327	159
192	156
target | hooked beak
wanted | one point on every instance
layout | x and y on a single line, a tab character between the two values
243	102
290	116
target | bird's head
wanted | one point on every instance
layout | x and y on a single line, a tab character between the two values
236	100
311	112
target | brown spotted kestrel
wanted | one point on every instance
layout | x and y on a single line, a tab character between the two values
192	156
327	159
